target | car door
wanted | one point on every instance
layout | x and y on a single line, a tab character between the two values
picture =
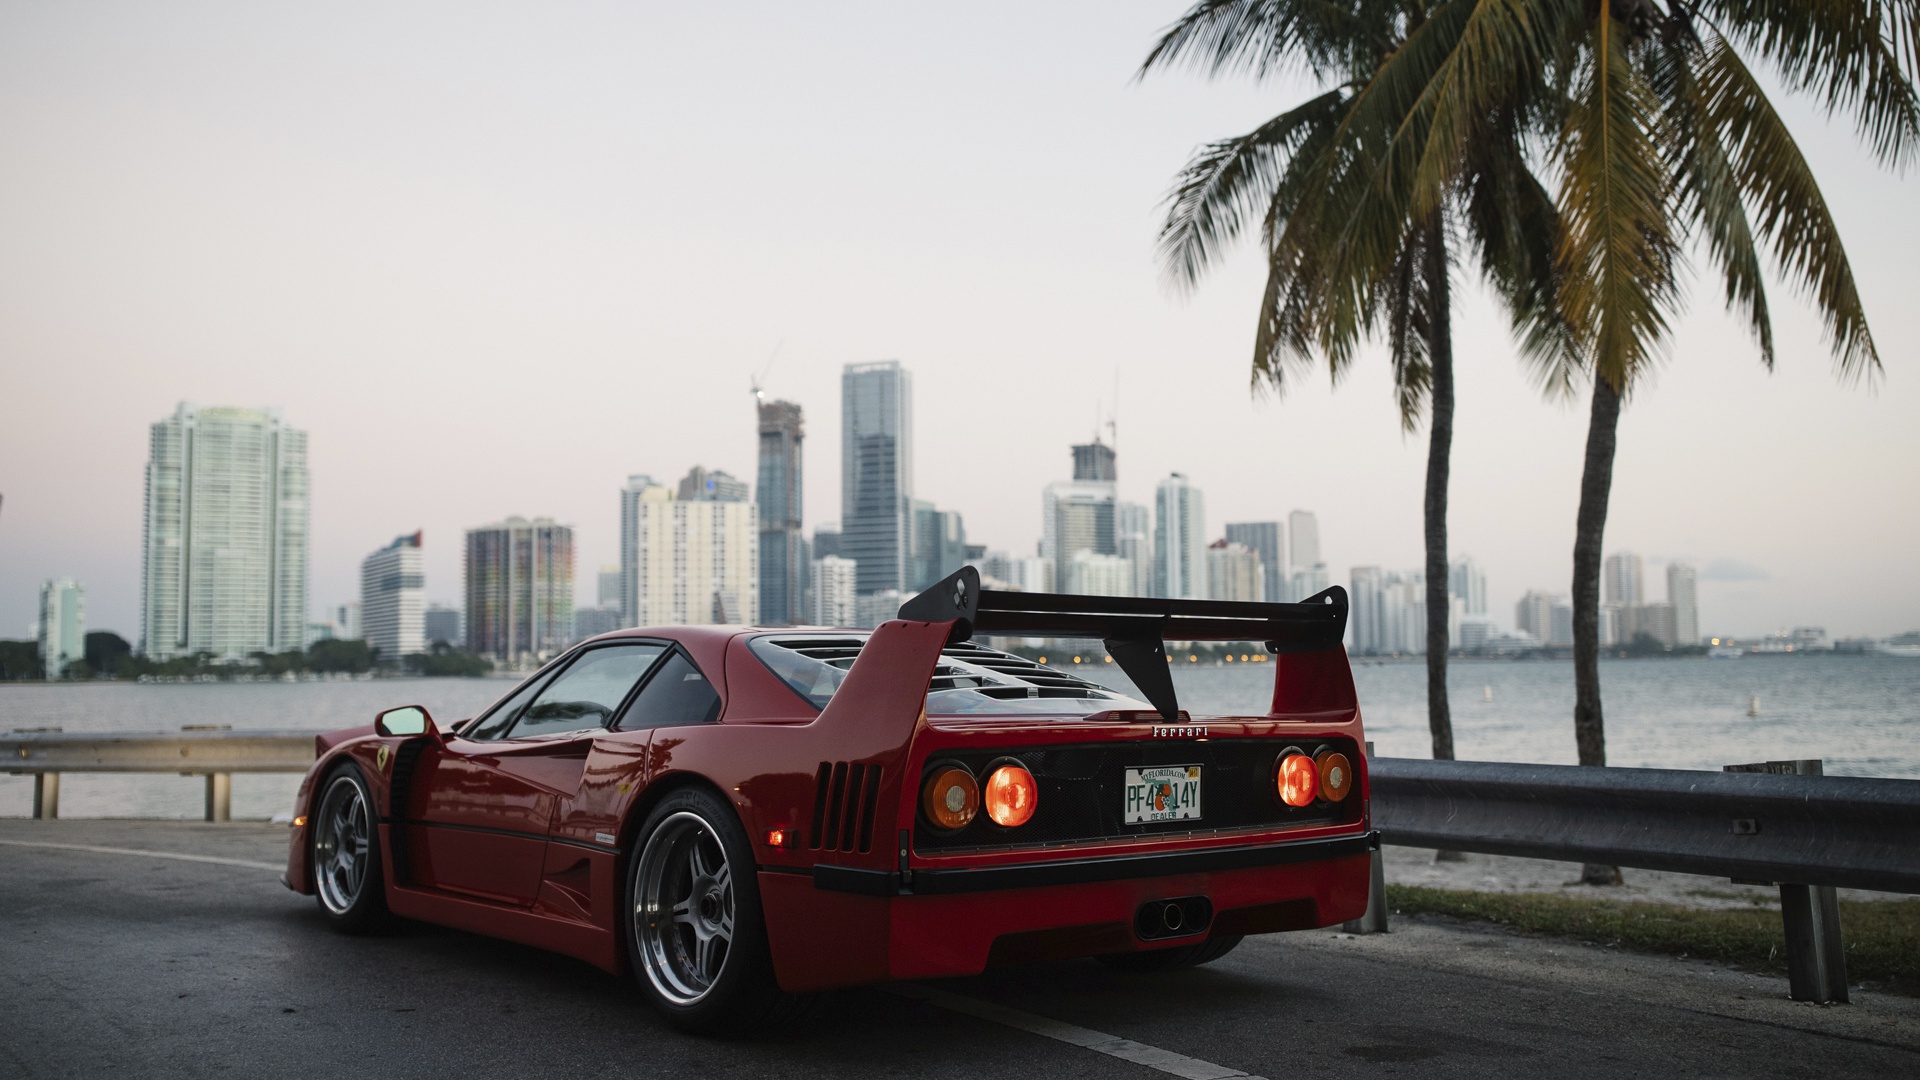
484	803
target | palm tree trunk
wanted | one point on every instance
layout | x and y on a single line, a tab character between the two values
1596	484
1439	465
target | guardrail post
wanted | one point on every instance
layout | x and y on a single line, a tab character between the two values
46	795
1810	915
219	796
1374	919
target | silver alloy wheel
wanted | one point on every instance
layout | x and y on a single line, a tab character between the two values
341	834
683	908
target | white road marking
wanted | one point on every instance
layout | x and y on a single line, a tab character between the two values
1152	1057
182	856
1099	1042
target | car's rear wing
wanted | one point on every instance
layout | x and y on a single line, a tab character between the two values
1135	629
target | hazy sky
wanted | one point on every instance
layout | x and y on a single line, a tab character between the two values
494	258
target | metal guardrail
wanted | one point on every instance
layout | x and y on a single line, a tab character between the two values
216	753
1768	824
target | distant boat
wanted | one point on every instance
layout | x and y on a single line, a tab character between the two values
1726	652
1910	652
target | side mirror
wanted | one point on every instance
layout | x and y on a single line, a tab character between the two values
404	722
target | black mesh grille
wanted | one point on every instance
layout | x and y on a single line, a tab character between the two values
844	799
1081	791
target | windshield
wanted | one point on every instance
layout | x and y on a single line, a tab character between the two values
969	678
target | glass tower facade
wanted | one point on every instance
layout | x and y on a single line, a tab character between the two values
876	473
783	550
225	552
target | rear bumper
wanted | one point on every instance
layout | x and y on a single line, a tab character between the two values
822	937
1085	871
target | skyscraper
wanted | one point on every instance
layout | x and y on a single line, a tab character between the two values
1133	541
939	544
442	625
1307	571
1684	595
834	601
1234	572
1179	539
1467	582
1092	574
1534	615
702	484
783	550
519	586
1624	580
607	591
1076	516
876	472
1263	537
393	599
63	626
687	560
1303	534
1388	612
225	552
1095	461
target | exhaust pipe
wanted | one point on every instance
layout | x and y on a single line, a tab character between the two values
1182	916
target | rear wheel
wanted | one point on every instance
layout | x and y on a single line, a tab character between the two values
695	931
347	876
1173	959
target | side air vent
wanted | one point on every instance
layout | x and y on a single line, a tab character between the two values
844	799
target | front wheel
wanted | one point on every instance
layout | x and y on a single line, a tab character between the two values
347	877
695	932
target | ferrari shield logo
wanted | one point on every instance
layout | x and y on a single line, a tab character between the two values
380	757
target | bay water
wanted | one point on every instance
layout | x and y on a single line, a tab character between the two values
1861	714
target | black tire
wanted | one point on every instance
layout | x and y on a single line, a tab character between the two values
1148	963
344	849
696	936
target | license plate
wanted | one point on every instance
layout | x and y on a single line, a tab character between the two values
1162	793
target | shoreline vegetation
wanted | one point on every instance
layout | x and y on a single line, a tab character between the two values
1882	937
109	658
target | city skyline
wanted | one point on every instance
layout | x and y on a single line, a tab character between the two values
202	211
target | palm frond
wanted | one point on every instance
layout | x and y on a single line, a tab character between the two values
1789	208
1617	253
1229	181
1856	56
1263	37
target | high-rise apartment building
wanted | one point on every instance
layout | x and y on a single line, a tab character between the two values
1623	580
1234	572
1683	594
1079	514
713	485
783	548
607	588
1534	615
442	625
1263	538
393	599
225	551
876	473
1467	583
687	561
1307	571
939	544
1179	539
1303	535
519	587
1388	612
835	601
1095	461
344	621
1133	541
63	626
1093	574
826	541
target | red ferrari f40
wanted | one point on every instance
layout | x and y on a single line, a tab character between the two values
739	816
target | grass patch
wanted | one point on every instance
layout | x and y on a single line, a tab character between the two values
1882	939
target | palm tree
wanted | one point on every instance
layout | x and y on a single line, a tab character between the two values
1301	172
1662	137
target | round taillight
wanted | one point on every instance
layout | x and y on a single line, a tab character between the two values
1011	795
1299	780
1336	775
951	798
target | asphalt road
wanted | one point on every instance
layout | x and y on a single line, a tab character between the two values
117	963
